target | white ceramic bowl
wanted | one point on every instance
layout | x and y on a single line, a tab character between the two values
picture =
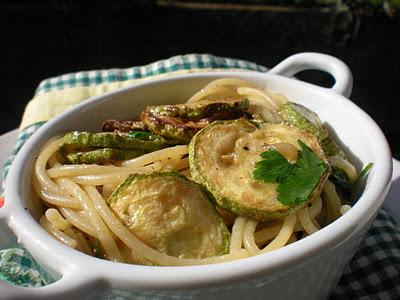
307	269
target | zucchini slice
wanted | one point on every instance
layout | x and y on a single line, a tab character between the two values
303	118
200	109
172	214
222	158
173	128
112	125
182	121
77	141
102	156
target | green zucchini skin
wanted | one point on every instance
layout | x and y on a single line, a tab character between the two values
82	141
199	110
219	190
161	184
294	114
102	156
291	114
171	128
113	125
331	148
182	121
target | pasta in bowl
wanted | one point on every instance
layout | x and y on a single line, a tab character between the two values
119	194
177	157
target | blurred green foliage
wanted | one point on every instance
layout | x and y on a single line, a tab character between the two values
362	7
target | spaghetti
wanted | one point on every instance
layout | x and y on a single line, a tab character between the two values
77	214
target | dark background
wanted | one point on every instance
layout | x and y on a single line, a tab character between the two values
41	39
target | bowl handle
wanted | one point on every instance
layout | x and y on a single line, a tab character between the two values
75	280
318	61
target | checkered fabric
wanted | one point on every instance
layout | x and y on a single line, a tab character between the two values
180	62
373	273
18	267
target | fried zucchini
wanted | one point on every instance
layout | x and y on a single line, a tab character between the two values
112	125
182	121
78	141
102	156
225	108
173	128
222	158
172	214
303	118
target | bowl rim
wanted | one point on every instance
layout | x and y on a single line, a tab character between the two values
26	228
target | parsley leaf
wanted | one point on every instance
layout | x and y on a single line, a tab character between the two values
141	135
273	168
304	178
295	182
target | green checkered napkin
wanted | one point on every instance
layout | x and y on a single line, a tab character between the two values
18	267
374	272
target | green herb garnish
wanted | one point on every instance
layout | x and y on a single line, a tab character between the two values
360	180
296	182
273	168
141	135
363	174
340	179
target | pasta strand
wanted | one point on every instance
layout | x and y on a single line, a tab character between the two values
237	234
283	236
103	233
248	237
